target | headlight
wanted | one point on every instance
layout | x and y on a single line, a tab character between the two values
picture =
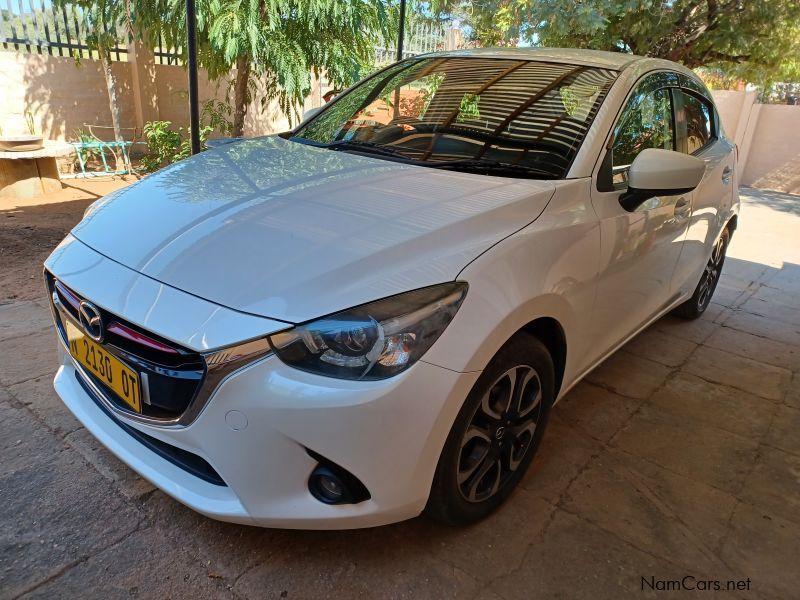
375	340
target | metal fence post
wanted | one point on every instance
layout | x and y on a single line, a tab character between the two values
191	57
401	30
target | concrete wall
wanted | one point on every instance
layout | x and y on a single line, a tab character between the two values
63	95
773	160
768	136
60	95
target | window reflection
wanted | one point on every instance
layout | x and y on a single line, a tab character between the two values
698	122
645	123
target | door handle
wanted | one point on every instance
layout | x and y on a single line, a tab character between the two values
726	174
682	207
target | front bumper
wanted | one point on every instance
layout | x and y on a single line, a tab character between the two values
256	428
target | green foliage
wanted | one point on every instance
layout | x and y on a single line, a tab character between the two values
754	40
166	145
80	135
469	109
283	41
216	114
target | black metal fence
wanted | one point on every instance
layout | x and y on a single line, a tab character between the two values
38	27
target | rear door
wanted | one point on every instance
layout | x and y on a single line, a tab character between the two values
700	134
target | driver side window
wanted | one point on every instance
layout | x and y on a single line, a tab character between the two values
646	122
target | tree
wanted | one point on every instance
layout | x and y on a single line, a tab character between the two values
108	23
281	42
753	38
103	19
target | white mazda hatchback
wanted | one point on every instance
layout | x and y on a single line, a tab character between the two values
371	316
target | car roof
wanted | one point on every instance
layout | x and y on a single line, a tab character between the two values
593	58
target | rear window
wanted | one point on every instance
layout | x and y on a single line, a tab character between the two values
501	116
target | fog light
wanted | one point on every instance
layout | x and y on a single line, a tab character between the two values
333	484
327	487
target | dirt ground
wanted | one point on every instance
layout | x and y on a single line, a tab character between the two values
30	229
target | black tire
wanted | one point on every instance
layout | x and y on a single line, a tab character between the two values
698	303
507	442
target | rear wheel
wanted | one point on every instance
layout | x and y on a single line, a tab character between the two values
495	435
698	303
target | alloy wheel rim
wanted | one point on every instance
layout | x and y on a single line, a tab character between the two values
711	273
500	433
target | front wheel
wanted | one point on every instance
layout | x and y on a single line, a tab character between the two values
698	303
495	435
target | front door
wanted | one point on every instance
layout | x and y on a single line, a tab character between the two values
639	249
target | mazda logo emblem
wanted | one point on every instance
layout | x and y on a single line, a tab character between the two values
91	320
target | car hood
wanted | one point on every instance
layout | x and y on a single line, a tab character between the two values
292	232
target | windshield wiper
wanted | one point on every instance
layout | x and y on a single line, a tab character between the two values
486	165
366	147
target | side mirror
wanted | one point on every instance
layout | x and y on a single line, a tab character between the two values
657	172
311	112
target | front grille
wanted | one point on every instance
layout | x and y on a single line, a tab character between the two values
171	375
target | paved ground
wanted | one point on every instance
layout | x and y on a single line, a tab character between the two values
680	456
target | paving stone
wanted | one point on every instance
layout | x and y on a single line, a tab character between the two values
742	271
793	395
731	293
596	411
654	509
765	548
696	331
716	313
40	397
493	547
28	357
629	375
22	318
776	296
575	559
661	347
699	401
564	452
690	448
742	373
756	347
786	279
772	310
768	328
354	564
773	484
226	549
125	480
785	430
143	565
55	511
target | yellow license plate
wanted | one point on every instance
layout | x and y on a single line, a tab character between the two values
123	381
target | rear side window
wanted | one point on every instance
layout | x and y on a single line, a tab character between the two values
646	122
699	130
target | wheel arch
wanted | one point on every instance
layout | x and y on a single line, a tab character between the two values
550	332
732	224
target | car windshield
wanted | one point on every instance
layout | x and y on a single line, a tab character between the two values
511	117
